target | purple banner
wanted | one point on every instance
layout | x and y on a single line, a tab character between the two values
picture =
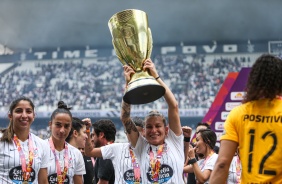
232	99
229	96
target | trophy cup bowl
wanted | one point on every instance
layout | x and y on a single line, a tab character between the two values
132	42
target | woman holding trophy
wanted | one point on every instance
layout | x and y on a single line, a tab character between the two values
160	152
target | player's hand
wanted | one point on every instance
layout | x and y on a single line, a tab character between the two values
128	72
191	152
88	122
187	131
150	66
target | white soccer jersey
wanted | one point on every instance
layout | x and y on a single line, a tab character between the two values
10	164
76	164
121	159
172	160
208	164
232	175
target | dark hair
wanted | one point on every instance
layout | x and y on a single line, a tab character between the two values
8	133
209	137
155	113
203	124
138	122
77	124
62	108
216	149
107	127
265	79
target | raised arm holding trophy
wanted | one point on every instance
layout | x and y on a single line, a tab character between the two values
160	150
132	41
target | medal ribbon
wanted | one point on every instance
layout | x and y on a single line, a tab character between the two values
238	170
25	168
136	167
61	176
156	163
93	161
207	159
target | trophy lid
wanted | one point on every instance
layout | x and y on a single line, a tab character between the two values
124	16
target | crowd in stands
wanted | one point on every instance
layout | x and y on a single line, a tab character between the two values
98	84
157	149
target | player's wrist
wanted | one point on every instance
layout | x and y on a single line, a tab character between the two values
186	139
192	161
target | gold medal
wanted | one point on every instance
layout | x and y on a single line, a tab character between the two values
136	182
59	178
25	182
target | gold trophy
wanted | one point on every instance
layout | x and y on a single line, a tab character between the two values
132	41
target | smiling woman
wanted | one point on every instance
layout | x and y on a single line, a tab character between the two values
205	143
160	151
21	151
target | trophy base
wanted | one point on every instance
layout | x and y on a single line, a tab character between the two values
143	90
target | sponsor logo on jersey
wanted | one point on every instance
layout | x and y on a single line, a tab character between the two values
128	177
165	173
52	179
262	119
16	175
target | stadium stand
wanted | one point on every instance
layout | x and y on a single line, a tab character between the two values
94	84
98	84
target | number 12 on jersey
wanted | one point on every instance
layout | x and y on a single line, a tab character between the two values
266	156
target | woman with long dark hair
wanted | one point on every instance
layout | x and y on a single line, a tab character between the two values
23	156
255	126
205	142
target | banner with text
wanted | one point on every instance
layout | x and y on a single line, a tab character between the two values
229	96
90	52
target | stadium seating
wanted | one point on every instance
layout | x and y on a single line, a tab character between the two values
93	84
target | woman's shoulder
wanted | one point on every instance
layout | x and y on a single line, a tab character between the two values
37	139
40	142
73	149
213	157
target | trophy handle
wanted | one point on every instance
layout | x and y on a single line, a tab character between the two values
150	43
149	48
